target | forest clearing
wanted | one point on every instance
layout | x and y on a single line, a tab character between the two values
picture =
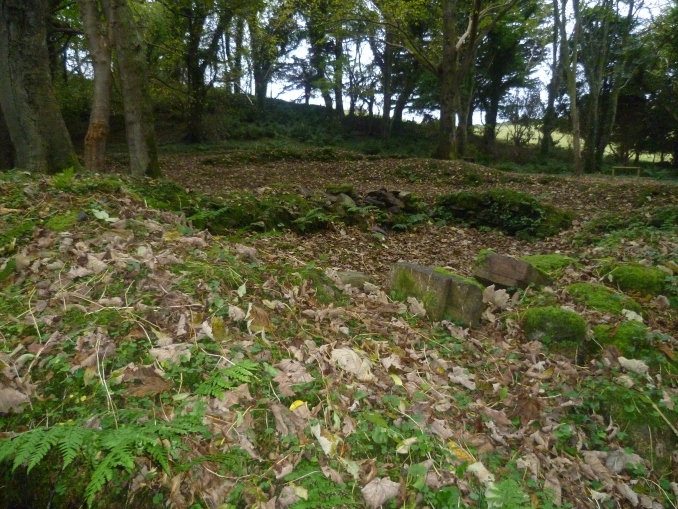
256	254
149	361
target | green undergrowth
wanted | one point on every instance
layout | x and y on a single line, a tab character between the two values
512	212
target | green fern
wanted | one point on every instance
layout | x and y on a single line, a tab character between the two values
508	494
228	378
108	451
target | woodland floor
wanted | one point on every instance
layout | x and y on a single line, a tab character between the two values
448	246
170	366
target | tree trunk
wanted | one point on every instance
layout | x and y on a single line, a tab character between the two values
465	115
98	42
36	127
446	136
554	85
138	106
403	98
6	147
596	59
617	79
490	131
386	84
237	65
571	73
339	75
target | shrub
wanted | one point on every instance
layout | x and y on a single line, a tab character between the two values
512	212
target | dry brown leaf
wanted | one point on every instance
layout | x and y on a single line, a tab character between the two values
174	353
497	416
350	361
151	386
11	399
379	490
600	471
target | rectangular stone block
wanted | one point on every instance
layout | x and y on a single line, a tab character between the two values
442	294
505	271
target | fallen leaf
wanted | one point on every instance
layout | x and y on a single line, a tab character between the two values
635	365
380	490
350	361
11	399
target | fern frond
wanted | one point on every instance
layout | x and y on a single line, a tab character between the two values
27	445
120	456
71	441
8	447
50	439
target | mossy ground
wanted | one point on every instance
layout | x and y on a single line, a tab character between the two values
551	264
647	281
512	212
602	298
554	324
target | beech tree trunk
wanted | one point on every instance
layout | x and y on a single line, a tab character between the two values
448	90
570	66
36	127
138	106
97	35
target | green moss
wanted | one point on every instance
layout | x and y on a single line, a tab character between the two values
601	298
555	324
339	189
514	213
445	272
484	253
635	278
62	222
549	263
629	337
404	285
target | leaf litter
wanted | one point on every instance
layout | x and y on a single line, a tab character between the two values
146	319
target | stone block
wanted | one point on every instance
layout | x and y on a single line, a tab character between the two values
504	271
441	293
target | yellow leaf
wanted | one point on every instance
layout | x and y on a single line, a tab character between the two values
296	405
458	451
397	380
172	236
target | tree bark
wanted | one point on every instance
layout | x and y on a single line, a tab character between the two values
96	33
386	84
6	147
404	96
571	74
339	75
447	85
137	102
554	85
36	127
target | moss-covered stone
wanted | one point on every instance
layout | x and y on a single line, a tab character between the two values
602	298
441	270
443	294
62	222
340	189
549	263
648	281
554	324
514	213
629	337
